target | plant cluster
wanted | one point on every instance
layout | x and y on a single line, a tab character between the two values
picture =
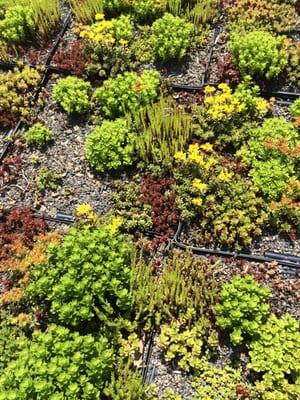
293	68
276	354
217	383
88	274
258	54
271	152
17	225
58	364
162	129
11	166
159	195
17	25
225	206
171	37
47	179
16	89
110	145
243	308
247	15
126	93
72	94
235	110
73	59
38	135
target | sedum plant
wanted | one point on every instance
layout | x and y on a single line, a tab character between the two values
145	10
72	94
18	24
38	135
186	346
242	308
217	383
258	54
127	93
58	364
171	37
110	145
276	354
87	274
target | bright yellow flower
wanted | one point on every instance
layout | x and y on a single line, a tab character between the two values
123	41
224	87
262	106
83	209
225	176
197	201
115	224
209	89
99	17
207	147
199	185
180	156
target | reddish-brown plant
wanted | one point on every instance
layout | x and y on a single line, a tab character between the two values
158	193
9	168
73	59
18	226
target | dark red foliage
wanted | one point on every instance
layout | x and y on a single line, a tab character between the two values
16	225
243	392
158	193
227	72
73	59
9	168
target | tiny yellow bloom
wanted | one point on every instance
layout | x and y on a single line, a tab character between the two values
199	185
83	209
123	42
197	201
225	176
180	156
99	17
115	224
207	147
209	89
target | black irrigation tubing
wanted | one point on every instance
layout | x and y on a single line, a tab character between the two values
216	34
65	26
286	260
147	358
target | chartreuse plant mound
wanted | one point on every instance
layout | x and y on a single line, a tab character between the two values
259	54
38	135
243	308
72	94
17	23
271	152
56	365
276	354
171	37
87	274
126	93
110	145
215	383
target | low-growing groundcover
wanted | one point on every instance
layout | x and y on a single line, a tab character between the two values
108	131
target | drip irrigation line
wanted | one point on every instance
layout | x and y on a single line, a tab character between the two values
216	35
147	358
58	39
284	259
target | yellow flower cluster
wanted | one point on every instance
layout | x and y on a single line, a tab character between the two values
197	201
262	106
101	31
225	176
195	156
197	184
115	224
86	211
222	103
